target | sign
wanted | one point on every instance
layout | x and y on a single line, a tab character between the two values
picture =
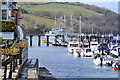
7	35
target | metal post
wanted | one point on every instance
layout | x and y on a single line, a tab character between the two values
31	40
15	62
20	57
47	40
63	38
39	40
10	72
5	72
89	41
37	67
14	65
102	44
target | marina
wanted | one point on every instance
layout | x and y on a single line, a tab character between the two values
60	63
58	45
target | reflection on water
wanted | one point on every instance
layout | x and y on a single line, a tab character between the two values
64	65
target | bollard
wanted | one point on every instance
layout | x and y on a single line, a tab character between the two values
31	40
39	40
47	40
5	72
10	72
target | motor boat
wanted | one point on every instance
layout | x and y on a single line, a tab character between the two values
76	52
103	61
103	47
115	51
93	45
72	46
87	52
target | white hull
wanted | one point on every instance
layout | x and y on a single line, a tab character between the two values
97	62
76	53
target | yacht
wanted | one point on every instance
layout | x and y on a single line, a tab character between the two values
93	45
115	51
57	31
103	61
87	52
72	46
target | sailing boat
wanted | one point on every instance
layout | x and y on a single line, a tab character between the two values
74	46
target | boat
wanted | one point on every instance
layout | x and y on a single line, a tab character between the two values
103	47
87	52
115	51
57	32
103	61
76	52
60	43
73	45
93	45
85	43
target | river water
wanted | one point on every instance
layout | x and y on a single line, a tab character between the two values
64	65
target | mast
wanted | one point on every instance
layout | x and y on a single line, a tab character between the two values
55	22
71	23
64	21
79	30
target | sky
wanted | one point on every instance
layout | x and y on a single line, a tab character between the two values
109	4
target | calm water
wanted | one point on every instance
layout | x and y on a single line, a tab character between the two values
64	65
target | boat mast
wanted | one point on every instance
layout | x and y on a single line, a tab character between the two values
61	22
64	21
71	23
79	30
55	22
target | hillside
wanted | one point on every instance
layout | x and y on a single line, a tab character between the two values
34	0
100	20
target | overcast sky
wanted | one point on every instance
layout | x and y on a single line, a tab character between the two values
109	4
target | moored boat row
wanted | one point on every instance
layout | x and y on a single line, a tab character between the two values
102	53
